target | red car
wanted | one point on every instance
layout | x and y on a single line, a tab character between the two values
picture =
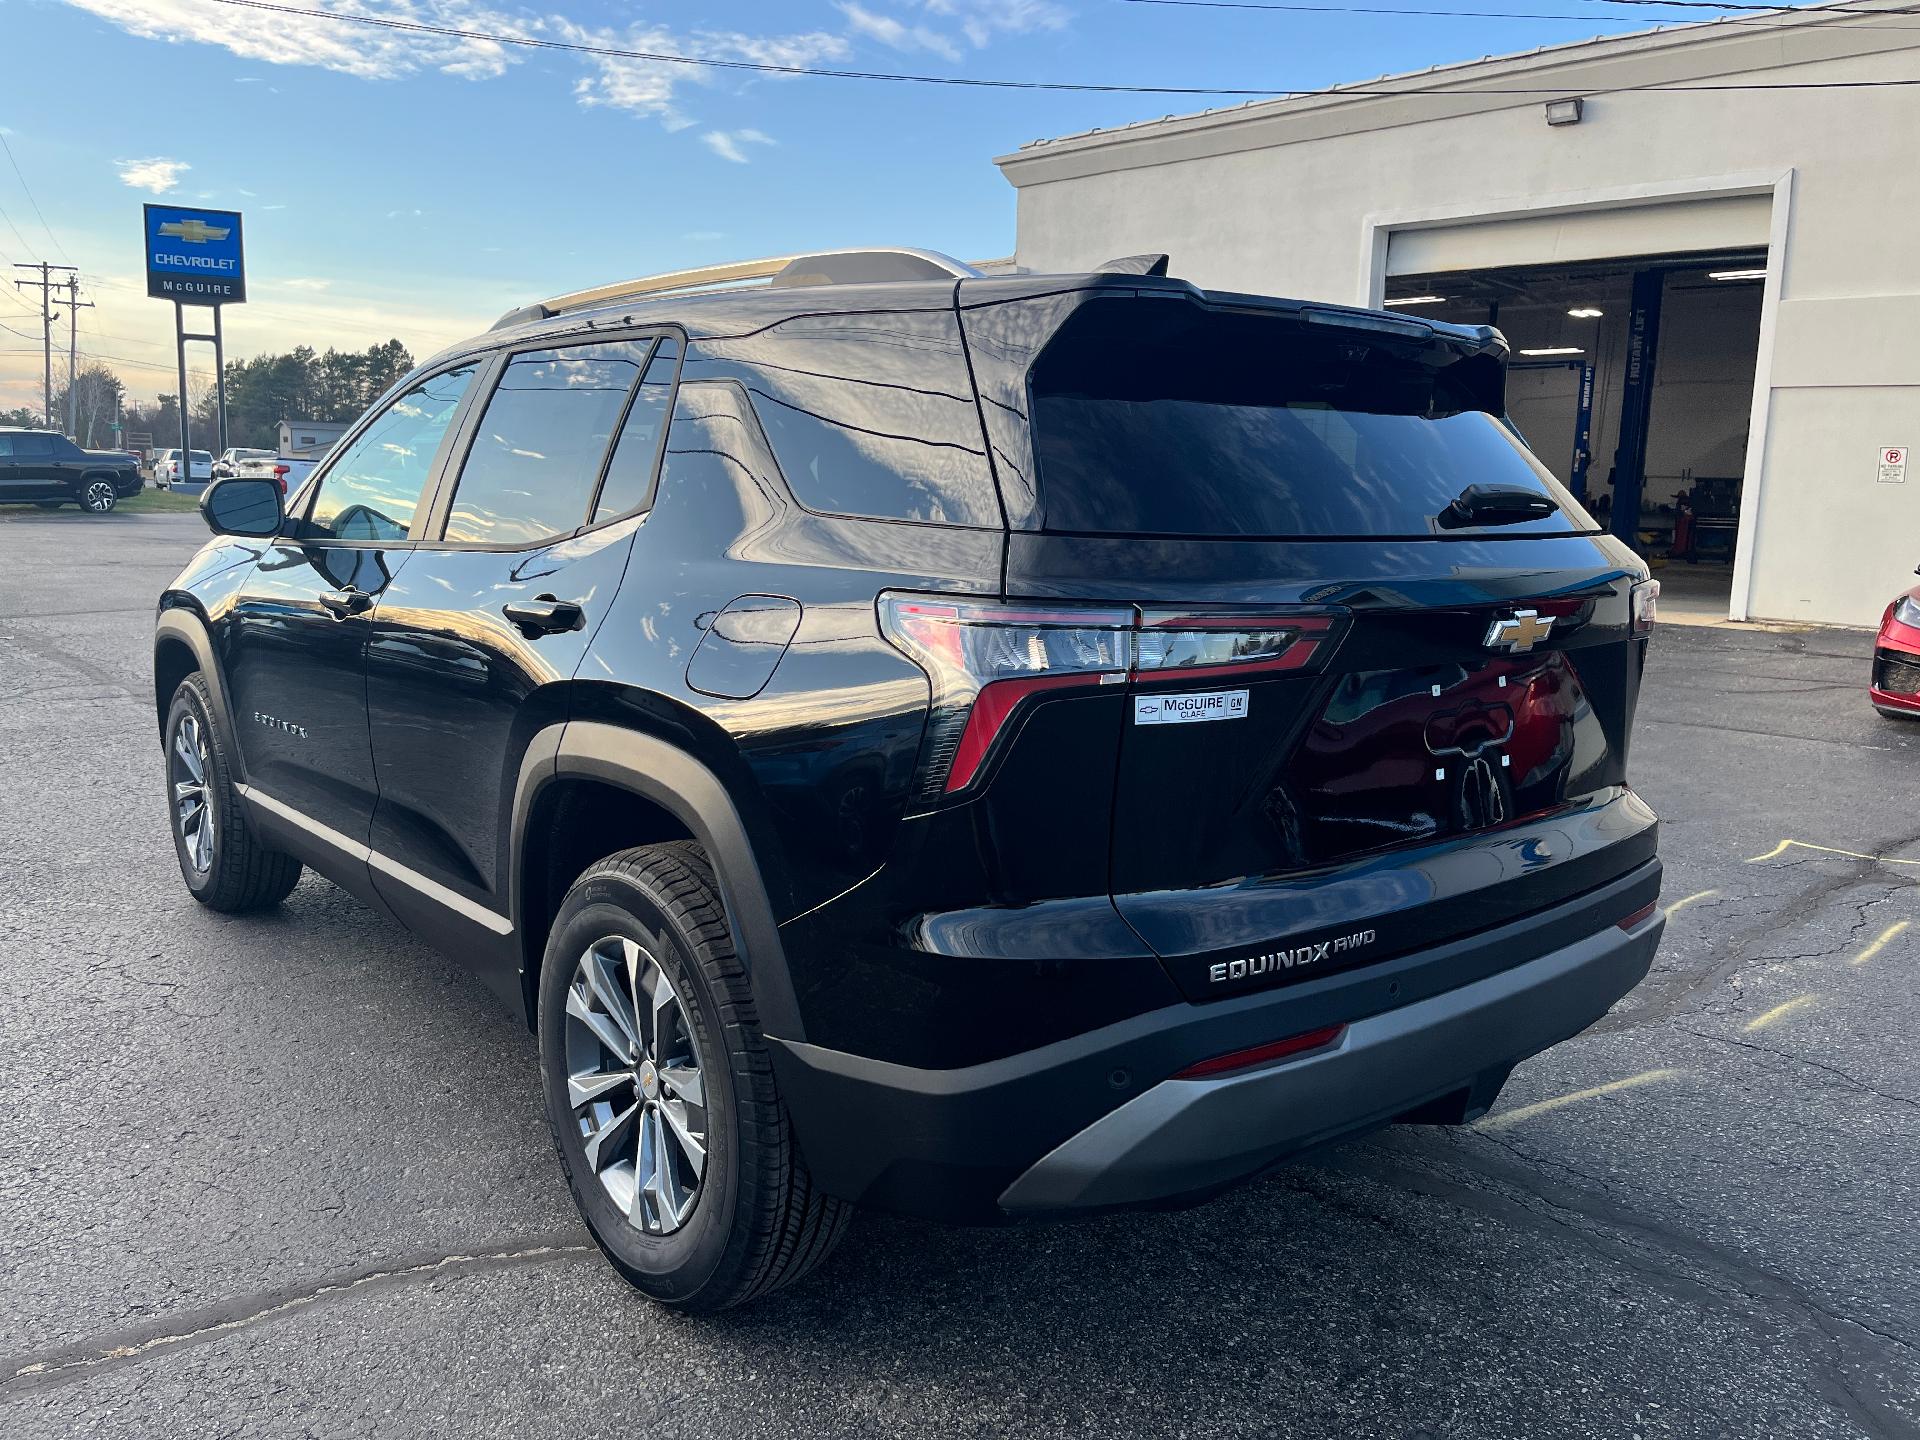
1896	658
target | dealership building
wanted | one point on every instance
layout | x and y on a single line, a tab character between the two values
1702	242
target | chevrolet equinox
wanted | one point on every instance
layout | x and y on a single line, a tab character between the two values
983	746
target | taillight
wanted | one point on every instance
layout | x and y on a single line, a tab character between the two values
986	658
280	478
1646	602
1170	644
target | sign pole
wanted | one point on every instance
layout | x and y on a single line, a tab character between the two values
183	474
220	380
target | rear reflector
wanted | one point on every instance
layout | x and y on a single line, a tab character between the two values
1644	913
1261	1054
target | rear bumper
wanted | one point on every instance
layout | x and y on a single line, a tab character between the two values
1185	1135
1093	1121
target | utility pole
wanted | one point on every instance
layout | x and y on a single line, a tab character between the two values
46	285
74	306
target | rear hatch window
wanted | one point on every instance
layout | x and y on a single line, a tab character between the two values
1177	419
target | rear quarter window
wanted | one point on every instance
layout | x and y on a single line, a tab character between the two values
867	415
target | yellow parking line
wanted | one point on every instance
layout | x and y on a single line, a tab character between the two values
1779	1012
1879	942
1786	845
1677	906
1540	1107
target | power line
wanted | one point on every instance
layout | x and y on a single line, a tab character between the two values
28	190
761	67
1751	21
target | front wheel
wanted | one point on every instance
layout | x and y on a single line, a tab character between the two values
223	862
100	496
660	1092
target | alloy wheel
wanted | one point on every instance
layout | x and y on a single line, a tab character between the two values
100	497
192	811
634	1084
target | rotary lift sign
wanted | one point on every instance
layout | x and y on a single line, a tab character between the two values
1893	464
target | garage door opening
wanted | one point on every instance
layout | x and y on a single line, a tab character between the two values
1632	379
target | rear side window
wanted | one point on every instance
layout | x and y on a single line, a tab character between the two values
629	483
868	414
371	491
32	447
1169	419
536	456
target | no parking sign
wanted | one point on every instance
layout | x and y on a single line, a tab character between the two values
1893	464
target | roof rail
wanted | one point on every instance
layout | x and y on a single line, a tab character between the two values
820	267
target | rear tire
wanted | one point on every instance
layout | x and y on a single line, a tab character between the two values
752	1221
224	864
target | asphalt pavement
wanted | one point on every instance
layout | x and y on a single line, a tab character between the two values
287	1174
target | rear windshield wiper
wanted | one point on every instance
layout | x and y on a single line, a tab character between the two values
1496	505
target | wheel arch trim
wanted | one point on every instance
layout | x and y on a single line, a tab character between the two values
181	624
667	776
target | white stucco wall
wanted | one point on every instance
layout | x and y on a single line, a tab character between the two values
1304	197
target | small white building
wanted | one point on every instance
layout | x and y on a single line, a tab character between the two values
1710	232
310	439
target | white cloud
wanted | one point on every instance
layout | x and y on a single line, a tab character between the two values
638	85
413	214
650	87
155	174
363	50
306	282
897	34
981	20
729	144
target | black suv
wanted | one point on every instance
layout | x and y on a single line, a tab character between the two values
48	469
981	746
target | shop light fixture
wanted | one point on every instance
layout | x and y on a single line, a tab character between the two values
1736	275
1565	112
1555	350
1586	312
1418	300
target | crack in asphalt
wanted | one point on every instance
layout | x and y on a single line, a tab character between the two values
111	1350
1670	1000
1834	1070
1852	1376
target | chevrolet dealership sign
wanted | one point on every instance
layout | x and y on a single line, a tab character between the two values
194	256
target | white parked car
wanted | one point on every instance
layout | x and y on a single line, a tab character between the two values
166	468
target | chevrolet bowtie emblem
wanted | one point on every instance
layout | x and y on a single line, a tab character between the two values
1524	631
195	232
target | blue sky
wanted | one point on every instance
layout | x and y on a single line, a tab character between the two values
414	186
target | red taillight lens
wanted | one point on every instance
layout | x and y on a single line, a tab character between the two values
1646	604
984	658
1260	1054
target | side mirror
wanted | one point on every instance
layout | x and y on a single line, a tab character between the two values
243	505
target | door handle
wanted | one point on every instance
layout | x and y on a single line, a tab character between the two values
346	602
543	615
